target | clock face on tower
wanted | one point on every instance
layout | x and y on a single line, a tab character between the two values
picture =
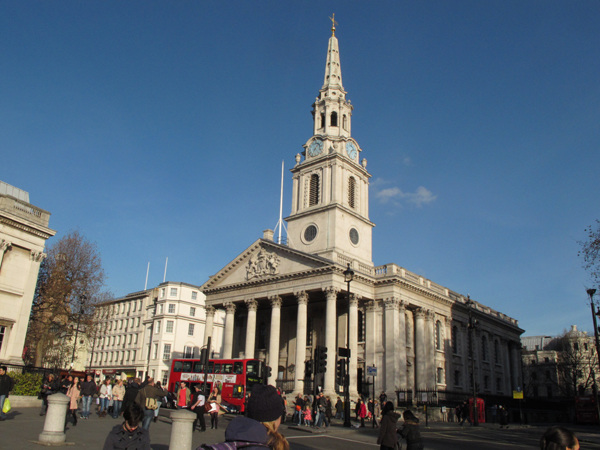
315	148
351	150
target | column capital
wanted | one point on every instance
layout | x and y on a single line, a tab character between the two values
251	304
391	303
430	314
5	245
331	291
230	307
275	301
210	310
420	313
354	298
371	305
37	256
302	297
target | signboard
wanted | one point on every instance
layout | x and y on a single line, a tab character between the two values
371	371
518	395
211	377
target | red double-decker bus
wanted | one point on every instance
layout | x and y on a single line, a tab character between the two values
235	377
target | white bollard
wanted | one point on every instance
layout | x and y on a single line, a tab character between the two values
54	426
182	429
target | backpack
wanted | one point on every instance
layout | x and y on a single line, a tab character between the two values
232	445
151	403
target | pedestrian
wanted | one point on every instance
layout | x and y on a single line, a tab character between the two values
298	407
105	396
376	413
159	401
129	435
465	413
307	416
118	392
198	407
88	390
339	409
388	437
410	431
66	383
458	413
362	412
260	427
146	398
74	392
214	399
503	412
328	411
131	392
382	398
6	385
183	396
49	387
559	438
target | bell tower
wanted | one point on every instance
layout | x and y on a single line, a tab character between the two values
330	198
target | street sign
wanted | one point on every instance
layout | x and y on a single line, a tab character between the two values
371	371
518	395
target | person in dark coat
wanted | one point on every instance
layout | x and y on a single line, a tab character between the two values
6	385
388	437
129	435
410	431
50	386
88	390
131	392
339	409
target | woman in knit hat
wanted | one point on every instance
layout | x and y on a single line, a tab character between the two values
265	409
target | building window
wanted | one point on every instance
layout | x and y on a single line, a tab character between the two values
345	122
173	292
455	340
162	293
192	311
334	119
137	322
191	329
484	348
155	352
496	352
165	377
119	340
438	335
498	385
167	352
171	308
169	328
157	327
127	356
486	382
129	339
194	295
188	352
457	378
361	326
440	375
133	355
322	120
313	198
352	192
134	306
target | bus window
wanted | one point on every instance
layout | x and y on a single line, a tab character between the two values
187	366
211	367
238	391
252	368
238	368
198	367
228	368
177	366
217	368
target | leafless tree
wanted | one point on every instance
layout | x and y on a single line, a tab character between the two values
590	251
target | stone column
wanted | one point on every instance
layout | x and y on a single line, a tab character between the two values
353	311
515	365
251	328
229	327
330	335
390	373
209	323
402	381
302	298
54	425
4	246
274	338
182	429
430	349
420	351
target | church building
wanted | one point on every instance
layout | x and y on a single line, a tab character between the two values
282	300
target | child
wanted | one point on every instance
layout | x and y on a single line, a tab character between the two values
307	416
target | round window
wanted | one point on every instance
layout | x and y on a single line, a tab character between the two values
354	236
310	233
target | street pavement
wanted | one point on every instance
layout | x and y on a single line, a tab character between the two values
23	426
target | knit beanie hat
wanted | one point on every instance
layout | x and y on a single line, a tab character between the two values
265	404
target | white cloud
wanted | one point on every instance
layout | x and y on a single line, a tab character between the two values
420	197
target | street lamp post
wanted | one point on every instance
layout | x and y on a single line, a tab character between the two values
473	324
348	277
155	301
591	293
81	303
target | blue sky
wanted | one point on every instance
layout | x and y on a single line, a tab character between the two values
157	129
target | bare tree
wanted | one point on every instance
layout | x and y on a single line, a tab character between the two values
69	284
590	251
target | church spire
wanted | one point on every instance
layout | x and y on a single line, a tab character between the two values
333	70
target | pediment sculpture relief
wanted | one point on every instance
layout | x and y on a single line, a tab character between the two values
262	264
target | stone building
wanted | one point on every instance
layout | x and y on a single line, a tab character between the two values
283	300
139	334
23	234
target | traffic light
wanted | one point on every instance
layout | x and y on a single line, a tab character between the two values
340	371
321	359
308	369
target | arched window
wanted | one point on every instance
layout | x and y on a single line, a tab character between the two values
313	198
455	340
352	192
484	348
334	119
438	335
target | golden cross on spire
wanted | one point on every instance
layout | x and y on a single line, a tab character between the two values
333	24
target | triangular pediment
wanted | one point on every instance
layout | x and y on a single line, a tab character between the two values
265	260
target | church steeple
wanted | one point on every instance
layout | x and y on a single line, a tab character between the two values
330	200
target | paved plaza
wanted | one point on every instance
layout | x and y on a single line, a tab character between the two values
22	428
